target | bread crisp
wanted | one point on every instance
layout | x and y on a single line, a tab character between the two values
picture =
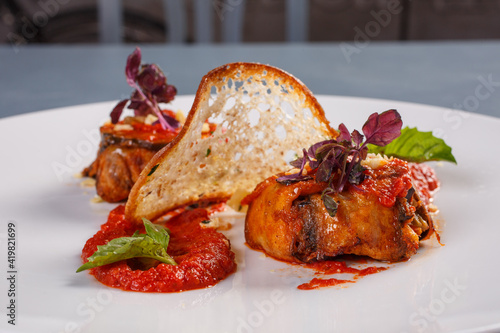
264	118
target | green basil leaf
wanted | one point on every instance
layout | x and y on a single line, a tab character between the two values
151	245
415	146
157	232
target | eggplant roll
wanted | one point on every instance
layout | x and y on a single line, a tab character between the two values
124	151
382	218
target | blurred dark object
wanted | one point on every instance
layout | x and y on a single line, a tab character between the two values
190	21
70	21
454	19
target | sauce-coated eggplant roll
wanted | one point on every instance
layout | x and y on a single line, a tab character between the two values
383	217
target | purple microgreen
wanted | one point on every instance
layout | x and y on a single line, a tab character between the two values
363	152
342	167
356	176
132	67
311	152
381	129
325	170
150	78
150	88
117	111
304	161
326	149
338	162
294	178
357	138
297	163
344	134
153	105
314	164
138	104
165	93
172	122
163	122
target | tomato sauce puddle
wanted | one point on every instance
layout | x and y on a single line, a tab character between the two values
338	265
331	267
203	255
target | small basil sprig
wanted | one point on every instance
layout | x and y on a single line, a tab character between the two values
415	146
152	245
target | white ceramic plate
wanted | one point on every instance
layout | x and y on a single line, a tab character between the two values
441	289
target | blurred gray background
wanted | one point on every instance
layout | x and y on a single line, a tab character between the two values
54	52
153	21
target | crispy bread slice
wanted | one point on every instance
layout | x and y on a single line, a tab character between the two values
264	118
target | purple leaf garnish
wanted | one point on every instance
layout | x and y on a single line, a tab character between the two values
326	149
296	177
325	170
297	163
357	138
170	120
132	67
150	78
290	179
338	162
344	134
151	88
165	93
117	111
381	129
312	150
356	176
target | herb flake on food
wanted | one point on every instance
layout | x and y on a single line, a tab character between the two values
153	169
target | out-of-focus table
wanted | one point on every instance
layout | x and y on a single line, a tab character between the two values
458	75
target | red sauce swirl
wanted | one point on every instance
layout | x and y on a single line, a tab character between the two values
203	255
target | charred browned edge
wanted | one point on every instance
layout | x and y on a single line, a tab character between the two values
304	247
109	139
216	75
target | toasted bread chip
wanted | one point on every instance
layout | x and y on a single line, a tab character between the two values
264	118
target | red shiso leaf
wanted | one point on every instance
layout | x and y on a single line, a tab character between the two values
381	129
